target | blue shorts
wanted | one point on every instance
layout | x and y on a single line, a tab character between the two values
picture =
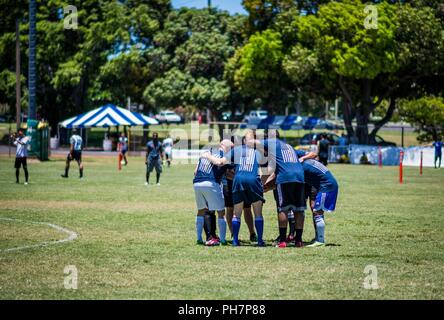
123	151
247	197
326	201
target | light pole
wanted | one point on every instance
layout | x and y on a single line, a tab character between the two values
32	61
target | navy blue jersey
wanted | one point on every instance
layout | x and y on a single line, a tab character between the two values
438	145
154	150
207	171
246	168
317	175
288	167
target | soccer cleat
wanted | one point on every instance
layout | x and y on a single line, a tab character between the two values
63	176
199	242
253	237
282	244
26	183
316	244
235	243
224	243
158	184
261	244
290	238
146	183
276	241
212	242
299	244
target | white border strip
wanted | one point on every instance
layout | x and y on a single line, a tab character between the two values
71	235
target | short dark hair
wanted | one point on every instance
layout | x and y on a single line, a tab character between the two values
21	130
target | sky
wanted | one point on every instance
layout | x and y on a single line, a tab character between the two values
233	6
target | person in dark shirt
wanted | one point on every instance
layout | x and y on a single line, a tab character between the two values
323	145
154	158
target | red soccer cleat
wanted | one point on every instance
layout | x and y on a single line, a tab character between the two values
299	244
212	242
282	244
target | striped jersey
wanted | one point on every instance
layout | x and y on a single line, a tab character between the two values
246	167
207	171
76	142
317	175
288	168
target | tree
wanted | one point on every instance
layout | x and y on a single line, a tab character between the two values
189	59
367	66
75	66
256	68
426	114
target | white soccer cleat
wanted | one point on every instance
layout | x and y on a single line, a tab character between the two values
146	183
25	183
158	184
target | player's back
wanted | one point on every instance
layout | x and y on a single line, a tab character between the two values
76	142
318	176
246	163
207	171
288	167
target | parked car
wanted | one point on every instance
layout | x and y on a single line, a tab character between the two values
256	115
381	142
314	137
168	117
2	119
228	116
325	124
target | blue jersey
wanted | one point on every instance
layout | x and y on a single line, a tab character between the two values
288	167
207	171
246	169
317	175
154	150
438	145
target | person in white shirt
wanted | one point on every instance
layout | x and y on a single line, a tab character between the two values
75	153
21	142
168	149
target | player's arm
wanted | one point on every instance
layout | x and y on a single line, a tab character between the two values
308	155
217	161
148	151
195	169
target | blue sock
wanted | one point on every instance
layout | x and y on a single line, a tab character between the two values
320	228
199	227
222	229
259	224
236	227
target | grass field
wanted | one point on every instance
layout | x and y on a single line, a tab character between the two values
138	242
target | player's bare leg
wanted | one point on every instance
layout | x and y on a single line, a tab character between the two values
248	218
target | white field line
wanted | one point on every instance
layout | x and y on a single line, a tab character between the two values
71	235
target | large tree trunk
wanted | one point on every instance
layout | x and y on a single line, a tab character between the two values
384	120
362	127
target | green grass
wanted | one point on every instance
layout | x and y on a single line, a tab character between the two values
138	242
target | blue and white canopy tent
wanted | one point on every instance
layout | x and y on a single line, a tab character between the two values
107	116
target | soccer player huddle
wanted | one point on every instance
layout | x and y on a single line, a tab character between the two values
232	180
